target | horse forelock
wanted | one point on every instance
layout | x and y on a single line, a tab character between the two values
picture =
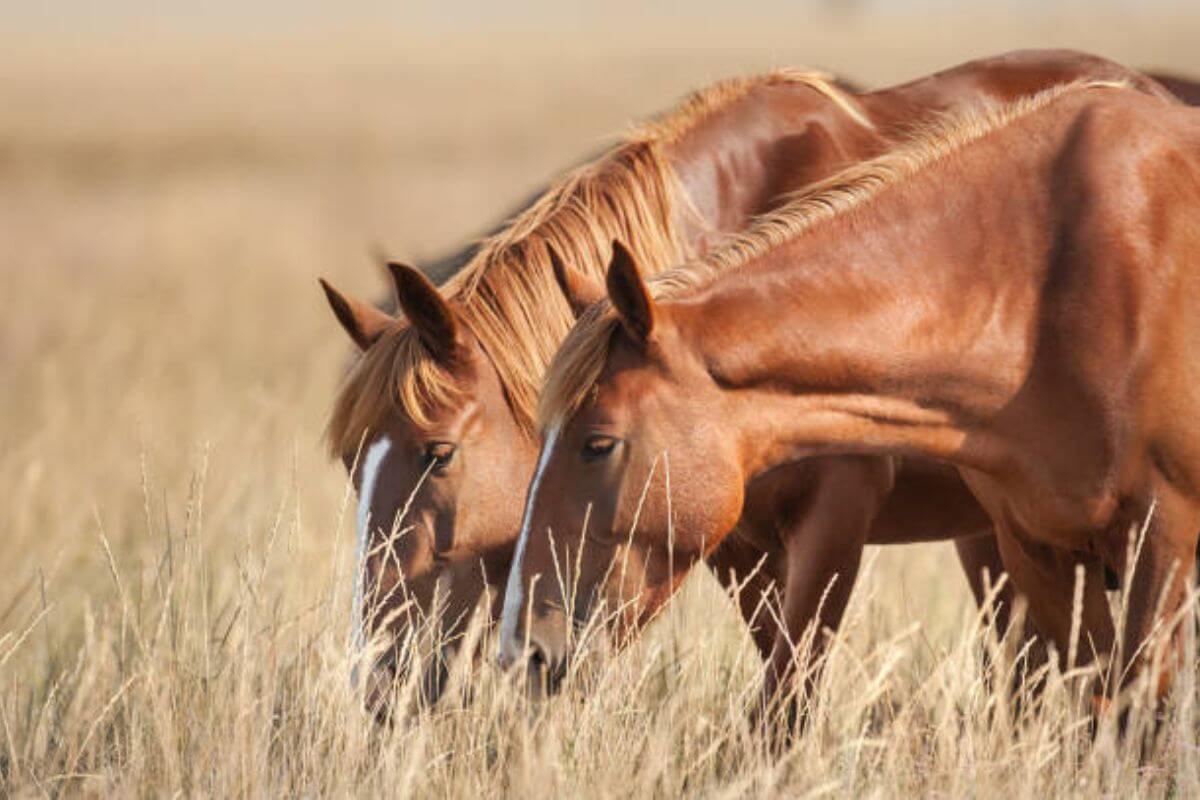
576	368
395	375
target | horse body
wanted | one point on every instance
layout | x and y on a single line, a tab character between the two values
779	139
453	390
1015	296
1061	371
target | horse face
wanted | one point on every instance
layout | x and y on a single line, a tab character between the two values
628	494
440	508
437	514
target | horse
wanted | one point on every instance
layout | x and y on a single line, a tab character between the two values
440	407
1012	293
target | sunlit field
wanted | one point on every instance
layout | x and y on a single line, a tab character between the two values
177	549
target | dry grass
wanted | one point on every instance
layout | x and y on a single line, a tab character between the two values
174	614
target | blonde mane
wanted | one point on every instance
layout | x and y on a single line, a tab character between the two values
577	366
507	296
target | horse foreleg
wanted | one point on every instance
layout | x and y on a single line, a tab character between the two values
1047	577
994	594
824	548
1158	590
980	558
753	578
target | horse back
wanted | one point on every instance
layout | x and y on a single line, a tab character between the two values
1186	90
1001	79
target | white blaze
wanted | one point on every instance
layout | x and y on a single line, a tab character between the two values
514	591
366	490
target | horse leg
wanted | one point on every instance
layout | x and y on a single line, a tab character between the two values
980	558
753	578
1158	589
1047	578
824	548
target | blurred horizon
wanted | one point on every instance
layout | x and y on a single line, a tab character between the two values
475	104
299	16
140	26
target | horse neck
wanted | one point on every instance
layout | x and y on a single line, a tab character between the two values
739	163
900	326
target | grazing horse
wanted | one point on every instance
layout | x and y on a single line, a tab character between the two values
1014	293
437	418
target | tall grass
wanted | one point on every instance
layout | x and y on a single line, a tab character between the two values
190	674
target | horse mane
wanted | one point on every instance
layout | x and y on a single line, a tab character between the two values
576	367
506	295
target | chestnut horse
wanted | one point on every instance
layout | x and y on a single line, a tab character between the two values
1014	293
441	407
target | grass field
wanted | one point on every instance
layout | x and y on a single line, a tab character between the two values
176	549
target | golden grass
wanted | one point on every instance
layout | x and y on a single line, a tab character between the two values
174	609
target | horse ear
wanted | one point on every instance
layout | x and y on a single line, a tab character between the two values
365	323
427	311
629	295
579	289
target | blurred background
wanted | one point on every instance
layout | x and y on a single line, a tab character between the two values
175	176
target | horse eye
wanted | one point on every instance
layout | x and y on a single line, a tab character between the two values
598	447
438	457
